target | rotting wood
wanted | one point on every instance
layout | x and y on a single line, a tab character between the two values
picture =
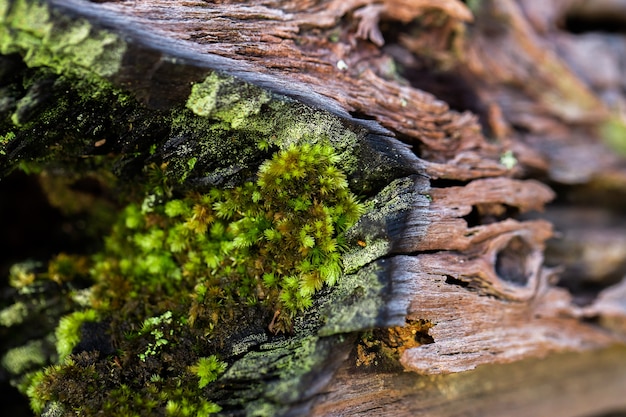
460	232
557	386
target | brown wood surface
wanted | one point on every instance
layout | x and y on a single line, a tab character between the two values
564	385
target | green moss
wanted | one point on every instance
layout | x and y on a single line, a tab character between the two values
86	385
37	401
4	141
275	241
208	369
182	267
152	329
68	331
185	407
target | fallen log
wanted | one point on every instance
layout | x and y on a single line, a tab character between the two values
456	127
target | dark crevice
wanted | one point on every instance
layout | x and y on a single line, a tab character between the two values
490	213
361	116
510	262
31	228
587	218
473	218
520	128
450	87
583	292
14	403
453	281
591	195
423	72
585	21
446	183
613	413
394	253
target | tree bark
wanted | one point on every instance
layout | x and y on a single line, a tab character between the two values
487	140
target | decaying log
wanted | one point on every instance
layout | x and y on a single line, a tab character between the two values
557	386
486	276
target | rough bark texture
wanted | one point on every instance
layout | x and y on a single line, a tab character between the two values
489	140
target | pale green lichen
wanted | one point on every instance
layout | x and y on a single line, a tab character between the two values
396	200
290	365
348	313
27	27
22	358
288	362
235	105
225	99
13	314
508	160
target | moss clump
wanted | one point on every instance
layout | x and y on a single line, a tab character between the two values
4	141
83	384
208	369
275	241
177	274
68	331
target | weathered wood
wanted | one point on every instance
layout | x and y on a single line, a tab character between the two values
464	126
565	385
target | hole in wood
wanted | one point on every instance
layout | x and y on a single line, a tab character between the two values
454	281
488	213
445	183
384	346
511	262
590	20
